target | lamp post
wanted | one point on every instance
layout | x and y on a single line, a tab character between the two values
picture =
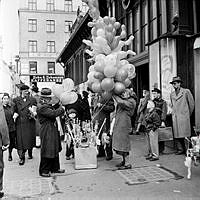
17	59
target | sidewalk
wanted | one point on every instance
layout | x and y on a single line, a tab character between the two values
23	182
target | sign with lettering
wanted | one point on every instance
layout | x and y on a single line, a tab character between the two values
47	78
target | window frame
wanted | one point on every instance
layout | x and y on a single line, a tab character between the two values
32	27
68	5
69	24
32	46
49	25
50	5
32	4
51	48
33	71
49	65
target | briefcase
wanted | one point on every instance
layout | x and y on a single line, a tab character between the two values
85	157
165	134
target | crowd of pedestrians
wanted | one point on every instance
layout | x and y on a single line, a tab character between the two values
36	114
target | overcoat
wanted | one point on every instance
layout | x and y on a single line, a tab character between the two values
182	108
122	127
49	134
25	124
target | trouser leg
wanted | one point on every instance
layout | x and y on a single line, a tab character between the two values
21	153
1	169
55	164
30	153
153	136
161	146
182	142
147	142
45	165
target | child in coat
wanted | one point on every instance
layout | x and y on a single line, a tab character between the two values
153	121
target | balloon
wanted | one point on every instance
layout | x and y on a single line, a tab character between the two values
127	82
121	75
99	67
119	88
96	87
57	90
100	58
102	45
107	84
112	20
106	20
109	37
110	60
91	68
130	69
90	77
68	84
101	33
106	95
94	32
68	98
117	25
91	24
123	62
99	75
110	71
109	28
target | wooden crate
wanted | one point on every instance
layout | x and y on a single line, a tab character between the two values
85	157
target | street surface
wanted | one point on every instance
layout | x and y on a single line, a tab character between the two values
24	182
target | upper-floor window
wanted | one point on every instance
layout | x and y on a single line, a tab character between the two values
84	7
32	25
32	4
50	26
51	46
68	5
32	46
33	67
68	26
51	67
50	5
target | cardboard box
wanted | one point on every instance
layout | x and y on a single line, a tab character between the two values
85	157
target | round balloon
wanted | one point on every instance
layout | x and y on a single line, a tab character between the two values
99	75
68	84
57	90
68	98
130	69
96	87
107	84
91	68
99	67
127	82
121	75
110	71
119	88
106	95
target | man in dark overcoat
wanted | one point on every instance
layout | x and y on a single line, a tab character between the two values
49	134
4	144
24	116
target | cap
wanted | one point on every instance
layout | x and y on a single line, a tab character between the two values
24	87
176	79
46	92
156	90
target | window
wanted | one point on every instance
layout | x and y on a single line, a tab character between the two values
32	4
68	5
33	67
68	25
51	67
50	26
144	25
51	46
84	7
50	5
32	25
32	46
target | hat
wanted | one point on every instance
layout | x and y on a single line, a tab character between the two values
35	89
46	92
156	90
24	87
72	110
6	95
176	79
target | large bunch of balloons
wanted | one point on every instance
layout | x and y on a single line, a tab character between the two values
65	92
111	72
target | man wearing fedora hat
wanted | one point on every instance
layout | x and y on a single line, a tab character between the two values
24	117
182	103
50	137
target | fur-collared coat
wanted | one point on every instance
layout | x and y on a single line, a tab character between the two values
25	124
50	137
182	108
122	127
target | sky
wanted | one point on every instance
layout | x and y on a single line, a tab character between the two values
9	28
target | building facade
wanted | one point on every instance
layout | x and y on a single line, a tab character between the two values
44	28
166	40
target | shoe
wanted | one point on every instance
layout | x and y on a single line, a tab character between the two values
30	157
149	157
129	166
153	159
131	133
46	175
10	158
120	164
21	162
67	157
137	133
59	171
180	152
1	194
109	158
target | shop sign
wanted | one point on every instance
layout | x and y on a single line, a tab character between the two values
47	78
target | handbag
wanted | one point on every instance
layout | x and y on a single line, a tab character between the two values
165	134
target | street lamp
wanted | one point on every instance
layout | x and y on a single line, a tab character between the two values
17	59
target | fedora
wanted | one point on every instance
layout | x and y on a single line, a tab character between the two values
45	92
156	90
176	79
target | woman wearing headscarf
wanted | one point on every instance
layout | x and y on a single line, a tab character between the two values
126	105
9	111
50	138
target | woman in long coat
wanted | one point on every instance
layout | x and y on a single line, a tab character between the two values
126	105
25	123
49	134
